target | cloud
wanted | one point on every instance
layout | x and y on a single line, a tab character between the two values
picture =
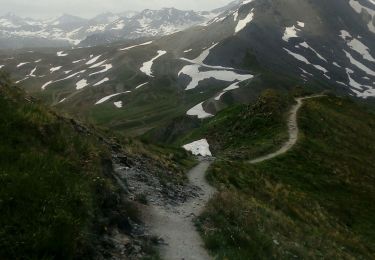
89	8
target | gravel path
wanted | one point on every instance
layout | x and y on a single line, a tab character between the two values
174	224
292	129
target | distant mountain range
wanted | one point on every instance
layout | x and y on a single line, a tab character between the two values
68	30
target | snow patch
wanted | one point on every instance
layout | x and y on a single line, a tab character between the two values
134	46
53	69
244	22
147	66
61	54
218	72
141	85
76	61
105	69
305	45
304	60
93	60
106	98
231	87
360	8
199	112
359	65
118	104
290	32
81	84
21	64
98	64
32	72
200	147
101	82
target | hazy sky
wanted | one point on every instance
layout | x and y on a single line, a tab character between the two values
89	8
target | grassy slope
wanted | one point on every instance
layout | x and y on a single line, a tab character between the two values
245	131
53	186
318	200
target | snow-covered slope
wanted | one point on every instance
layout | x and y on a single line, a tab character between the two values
17	32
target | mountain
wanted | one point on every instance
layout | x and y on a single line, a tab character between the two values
148	23
68	30
141	84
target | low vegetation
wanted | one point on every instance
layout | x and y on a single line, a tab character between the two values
56	193
246	131
316	201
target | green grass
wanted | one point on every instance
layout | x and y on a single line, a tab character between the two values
53	182
316	201
245	131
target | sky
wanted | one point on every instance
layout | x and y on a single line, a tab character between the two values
89	8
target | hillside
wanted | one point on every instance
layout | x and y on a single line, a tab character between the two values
317	200
60	197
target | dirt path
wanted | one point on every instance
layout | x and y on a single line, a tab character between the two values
292	130
174	224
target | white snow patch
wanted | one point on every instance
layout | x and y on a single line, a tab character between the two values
345	34
304	60
105	69
37	61
98	64
131	47
81	84
147	66
53	69
359	65
360	8
231	87
219	72
242	23
199	112
189	50
358	88
223	75
235	15
68	77
305	45
76	61
93	60
32	72
118	104
21	64
61	54
200	147
290	32
362	49
106	98
141	85
2	66
301	24
47	84
62	100
101	82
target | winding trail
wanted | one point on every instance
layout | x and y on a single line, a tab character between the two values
174	225
293	131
